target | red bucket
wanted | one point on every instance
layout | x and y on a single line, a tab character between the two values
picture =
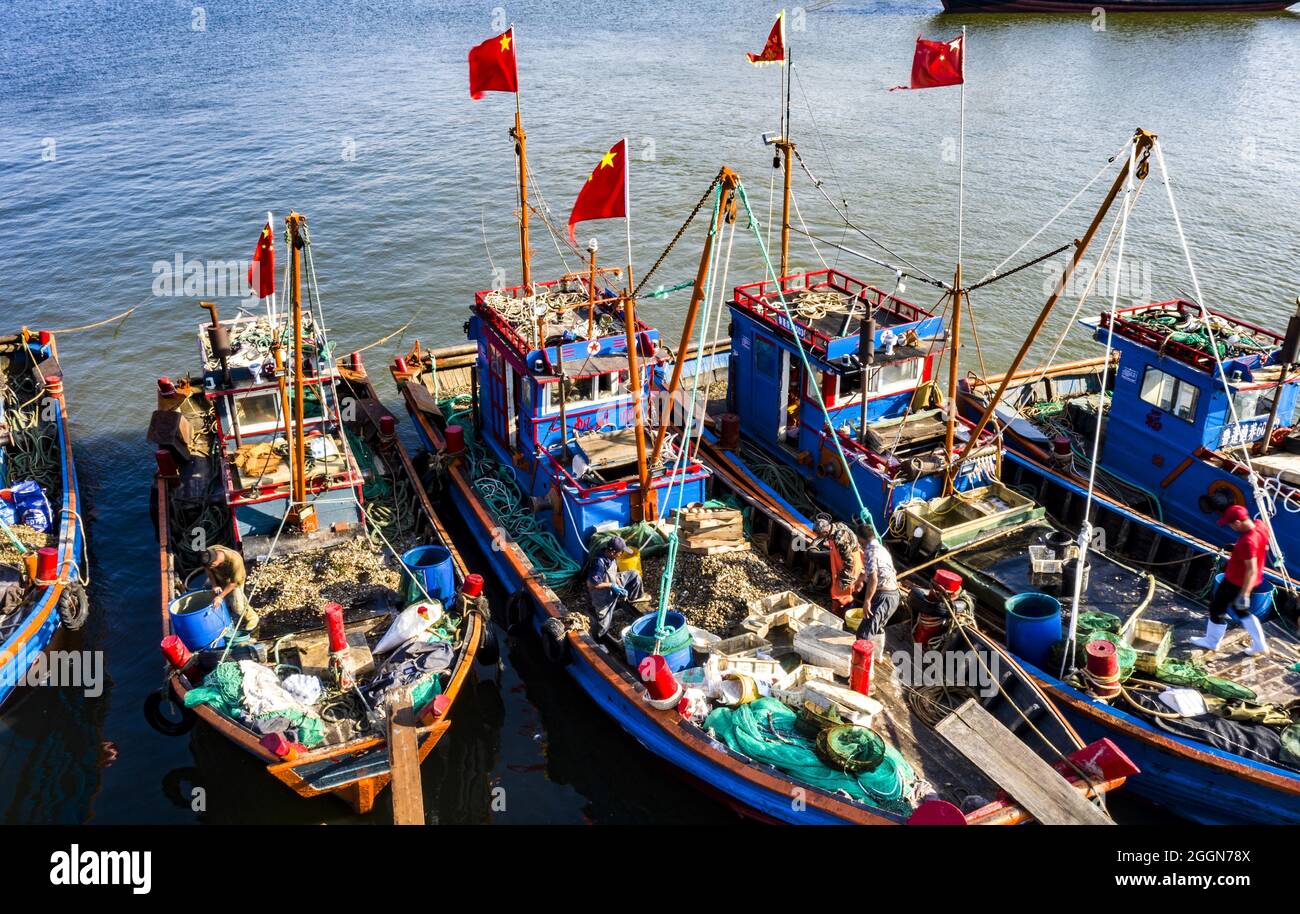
47	565
174	649
658	677
455	436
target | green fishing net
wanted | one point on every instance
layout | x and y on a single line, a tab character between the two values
223	689
765	731
1095	621
1192	675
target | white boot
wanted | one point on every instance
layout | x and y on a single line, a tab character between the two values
1213	636
1258	643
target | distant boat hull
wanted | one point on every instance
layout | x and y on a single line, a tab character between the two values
1120	6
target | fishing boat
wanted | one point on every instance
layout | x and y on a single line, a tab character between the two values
1147	581
548	452
1123	6
280	451
1171	451
42	538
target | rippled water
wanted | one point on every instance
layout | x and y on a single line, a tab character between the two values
129	137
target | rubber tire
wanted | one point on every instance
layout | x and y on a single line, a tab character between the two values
489	647
518	609
555	641
74	618
155	718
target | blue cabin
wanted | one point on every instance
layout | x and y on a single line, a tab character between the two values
557	403
1169	430
874	377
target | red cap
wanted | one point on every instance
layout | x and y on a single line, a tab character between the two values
473	585
1232	514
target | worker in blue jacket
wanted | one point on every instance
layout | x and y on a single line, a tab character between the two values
606	585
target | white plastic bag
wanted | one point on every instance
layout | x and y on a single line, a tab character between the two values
411	622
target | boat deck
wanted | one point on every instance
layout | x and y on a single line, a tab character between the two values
1116	588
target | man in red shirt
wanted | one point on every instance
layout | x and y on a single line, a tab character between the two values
1244	573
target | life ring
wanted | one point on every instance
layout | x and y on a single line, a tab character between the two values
1221	495
156	718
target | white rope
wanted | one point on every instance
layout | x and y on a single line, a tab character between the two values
1260	502
1059	213
798	212
1085	529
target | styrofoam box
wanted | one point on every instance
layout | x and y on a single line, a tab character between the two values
822	645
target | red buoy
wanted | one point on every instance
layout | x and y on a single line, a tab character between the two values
387	426
167	468
864	650
455	438
435	709
166	387
47	565
947	581
334	624
473	585
657	677
1103	659
355	361
174	649
46	337
400	364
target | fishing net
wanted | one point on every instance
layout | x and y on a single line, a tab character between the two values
765	731
851	749
1192	675
1094	621
222	689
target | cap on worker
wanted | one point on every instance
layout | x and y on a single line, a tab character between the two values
1233	514
618	544
823	526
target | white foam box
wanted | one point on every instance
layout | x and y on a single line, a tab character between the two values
824	645
749	662
852	705
789	610
789	689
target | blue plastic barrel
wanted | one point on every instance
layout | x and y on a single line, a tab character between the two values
1033	626
1261	598
432	565
198	623
639	641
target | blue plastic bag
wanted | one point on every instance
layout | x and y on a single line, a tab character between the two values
27	505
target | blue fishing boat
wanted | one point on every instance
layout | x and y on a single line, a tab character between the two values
1147	580
546	451
42	537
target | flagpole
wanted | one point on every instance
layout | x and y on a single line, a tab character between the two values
644	508
950	478
270	307
961	150
521	139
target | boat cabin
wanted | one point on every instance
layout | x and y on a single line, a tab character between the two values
557	401
1168	390
242	387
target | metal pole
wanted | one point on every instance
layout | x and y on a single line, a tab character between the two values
521	149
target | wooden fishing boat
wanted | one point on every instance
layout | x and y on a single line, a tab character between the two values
40	598
299	468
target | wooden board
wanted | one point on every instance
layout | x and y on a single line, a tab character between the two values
404	759
1015	768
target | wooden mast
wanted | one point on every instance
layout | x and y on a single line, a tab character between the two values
521	150
1143	142
787	154
726	209
302	517
951	431
644	507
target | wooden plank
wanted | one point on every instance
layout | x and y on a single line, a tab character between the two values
404	759
977	735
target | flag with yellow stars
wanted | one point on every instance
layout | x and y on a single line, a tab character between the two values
492	66
604	196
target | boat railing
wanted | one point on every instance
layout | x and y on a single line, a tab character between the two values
1162	339
508	331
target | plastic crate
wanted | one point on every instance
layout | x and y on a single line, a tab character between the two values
752	664
740	644
789	689
828	646
1152	641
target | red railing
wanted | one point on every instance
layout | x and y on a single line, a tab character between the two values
763	301
507	331
1161	339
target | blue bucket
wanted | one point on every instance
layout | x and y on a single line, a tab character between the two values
432	565
639	640
198	623
1033	626
1261	598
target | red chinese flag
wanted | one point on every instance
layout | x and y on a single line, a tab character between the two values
261	272
492	66
604	196
774	50
937	63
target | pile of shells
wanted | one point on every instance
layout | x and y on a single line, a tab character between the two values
295	587
9	554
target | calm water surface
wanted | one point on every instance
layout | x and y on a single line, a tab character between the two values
129	137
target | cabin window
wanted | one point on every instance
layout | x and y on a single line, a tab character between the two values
580	392
1252	404
258	412
767	357
1171	394
884	380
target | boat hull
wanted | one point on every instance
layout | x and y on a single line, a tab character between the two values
1123	6
35	635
